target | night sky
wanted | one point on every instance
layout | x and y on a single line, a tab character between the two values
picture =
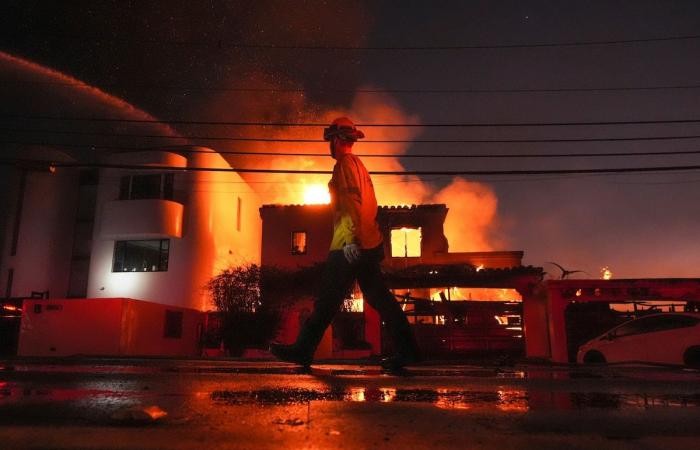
183	60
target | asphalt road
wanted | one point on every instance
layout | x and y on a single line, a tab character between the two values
174	404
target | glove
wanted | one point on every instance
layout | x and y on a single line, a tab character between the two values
352	252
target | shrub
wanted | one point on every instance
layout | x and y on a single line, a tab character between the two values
250	300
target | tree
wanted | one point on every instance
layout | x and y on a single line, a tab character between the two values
245	320
251	300
237	290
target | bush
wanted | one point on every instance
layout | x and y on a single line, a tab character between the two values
251	299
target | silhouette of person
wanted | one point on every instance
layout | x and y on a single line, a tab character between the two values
356	252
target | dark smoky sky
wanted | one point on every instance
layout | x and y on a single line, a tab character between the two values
158	56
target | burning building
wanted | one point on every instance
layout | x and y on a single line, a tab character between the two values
457	302
121	255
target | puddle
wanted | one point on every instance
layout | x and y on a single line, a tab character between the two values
505	400
361	394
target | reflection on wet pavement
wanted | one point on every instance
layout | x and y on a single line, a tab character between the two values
505	400
86	394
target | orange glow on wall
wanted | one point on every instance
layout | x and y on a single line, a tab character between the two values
107	326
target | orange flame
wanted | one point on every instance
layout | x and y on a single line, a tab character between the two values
316	194
472	205
605	273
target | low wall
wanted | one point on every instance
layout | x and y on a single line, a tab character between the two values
108	327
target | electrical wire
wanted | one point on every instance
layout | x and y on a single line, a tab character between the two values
436	178
368	141
49	164
126	149
318	124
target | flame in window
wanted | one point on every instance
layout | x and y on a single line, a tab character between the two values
405	242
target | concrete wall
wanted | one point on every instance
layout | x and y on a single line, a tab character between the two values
114	326
278	223
45	239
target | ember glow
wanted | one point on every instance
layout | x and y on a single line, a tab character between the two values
316	194
605	273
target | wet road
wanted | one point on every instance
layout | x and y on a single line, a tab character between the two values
224	404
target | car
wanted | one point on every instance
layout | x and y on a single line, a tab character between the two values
664	338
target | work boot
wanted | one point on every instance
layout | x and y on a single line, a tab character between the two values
291	353
398	362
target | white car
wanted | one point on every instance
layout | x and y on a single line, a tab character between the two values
665	338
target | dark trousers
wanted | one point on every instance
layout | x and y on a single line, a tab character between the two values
338	278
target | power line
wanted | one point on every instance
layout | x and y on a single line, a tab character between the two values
223	44
318	124
126	149
473	155
500	179
368	141
361	90
49	164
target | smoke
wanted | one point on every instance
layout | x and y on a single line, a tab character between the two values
472	206
472	216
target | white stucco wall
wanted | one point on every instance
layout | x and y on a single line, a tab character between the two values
209	242
45	240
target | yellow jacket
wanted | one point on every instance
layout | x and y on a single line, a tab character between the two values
354	205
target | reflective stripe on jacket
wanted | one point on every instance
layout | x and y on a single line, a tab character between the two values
354	205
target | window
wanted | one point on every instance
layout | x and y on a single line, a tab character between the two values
655	324
298	242
670	322
405	242
135	187
634	327
173	324
141	256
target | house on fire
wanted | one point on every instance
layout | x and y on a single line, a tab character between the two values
456	302
114	261
121	255
460	303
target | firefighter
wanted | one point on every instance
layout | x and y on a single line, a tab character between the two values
356	252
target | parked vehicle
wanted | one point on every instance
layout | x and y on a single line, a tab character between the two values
666	338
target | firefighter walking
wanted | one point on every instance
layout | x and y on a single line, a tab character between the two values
355	254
